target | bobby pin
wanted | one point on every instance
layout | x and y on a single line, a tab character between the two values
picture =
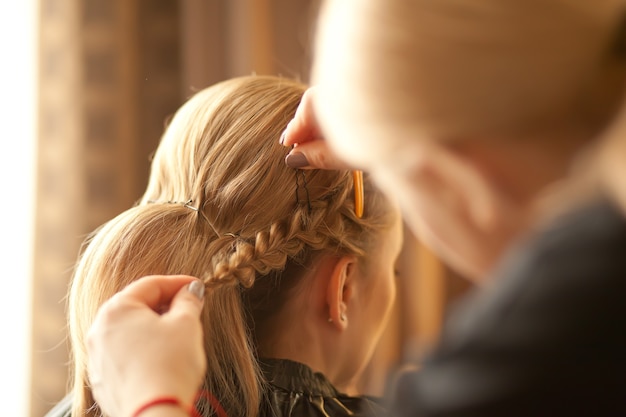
304	186
188	204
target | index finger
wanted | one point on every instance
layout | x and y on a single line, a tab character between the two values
156	290
304	126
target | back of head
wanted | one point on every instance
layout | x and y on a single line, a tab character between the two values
461	69
222	205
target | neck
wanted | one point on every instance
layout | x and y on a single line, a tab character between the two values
301	332
305	341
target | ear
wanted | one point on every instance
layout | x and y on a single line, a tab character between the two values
340	290
454	204
449	172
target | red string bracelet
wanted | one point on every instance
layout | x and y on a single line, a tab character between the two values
217	407
163	401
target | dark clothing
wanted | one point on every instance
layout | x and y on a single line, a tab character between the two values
296	391
546	338
293	390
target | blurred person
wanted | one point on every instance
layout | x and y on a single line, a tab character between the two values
486	121
299	287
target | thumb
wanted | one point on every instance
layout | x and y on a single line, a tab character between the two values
189	299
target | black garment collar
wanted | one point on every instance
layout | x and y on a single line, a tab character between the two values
296	377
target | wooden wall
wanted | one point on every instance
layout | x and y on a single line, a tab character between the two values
109	75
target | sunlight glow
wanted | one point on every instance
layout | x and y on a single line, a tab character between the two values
18	37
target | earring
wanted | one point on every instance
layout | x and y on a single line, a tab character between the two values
330	320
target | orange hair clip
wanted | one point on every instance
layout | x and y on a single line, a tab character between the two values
359	197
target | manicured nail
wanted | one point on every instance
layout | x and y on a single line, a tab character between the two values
282	138
197	289
296	160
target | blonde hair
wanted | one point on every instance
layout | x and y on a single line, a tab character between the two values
462	69
258	226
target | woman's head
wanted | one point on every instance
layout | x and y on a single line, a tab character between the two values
461	70
490	83
221	205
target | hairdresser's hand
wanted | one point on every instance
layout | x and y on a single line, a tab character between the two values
146	342
310	150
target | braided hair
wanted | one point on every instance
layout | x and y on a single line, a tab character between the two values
222	205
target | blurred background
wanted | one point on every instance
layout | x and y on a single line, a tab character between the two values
86	88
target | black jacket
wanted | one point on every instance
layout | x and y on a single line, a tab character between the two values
293	390
548	338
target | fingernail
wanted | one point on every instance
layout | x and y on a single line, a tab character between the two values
197	289
282	138
296	160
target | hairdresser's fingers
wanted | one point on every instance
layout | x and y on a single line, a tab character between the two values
184	316
188	301
304	126
127	339
315	155
153	291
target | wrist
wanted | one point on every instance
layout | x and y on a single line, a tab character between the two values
164	410
171	406
166	406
